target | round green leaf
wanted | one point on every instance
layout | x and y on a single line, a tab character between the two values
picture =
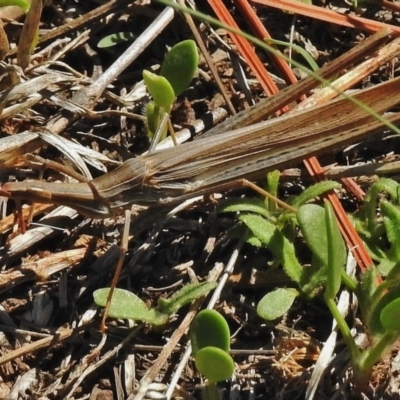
390	316
209	328
215	364
275	304
160	89
180	65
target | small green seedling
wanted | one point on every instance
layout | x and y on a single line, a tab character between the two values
275	229
379	304
377	222
177	71
126	305
210	338
321	233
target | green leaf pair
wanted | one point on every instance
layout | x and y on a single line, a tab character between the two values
210	338
177	71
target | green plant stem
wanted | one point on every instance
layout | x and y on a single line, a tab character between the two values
211	392
381	289
349	282
304	53
380	292
355	353
372	356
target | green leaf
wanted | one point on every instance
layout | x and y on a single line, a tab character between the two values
186	295
18	3
249	205
115	38
254	241
394	275
336	252
390	316
386	265
366	289
180	65
316	274
126	305
314	191
275	304
160	89
276	242
215	364
371	200
374	323
374	241
272	188
311	219
391	220
322	235
209	328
